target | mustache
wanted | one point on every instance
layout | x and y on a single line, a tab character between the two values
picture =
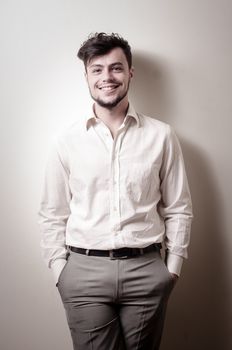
110	81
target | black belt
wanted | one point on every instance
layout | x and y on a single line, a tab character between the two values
122	253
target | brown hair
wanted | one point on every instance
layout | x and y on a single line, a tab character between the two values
99	44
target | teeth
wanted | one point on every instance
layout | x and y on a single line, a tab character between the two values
108	87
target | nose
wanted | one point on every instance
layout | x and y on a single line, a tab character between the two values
106	75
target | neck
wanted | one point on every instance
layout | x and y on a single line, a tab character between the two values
112	117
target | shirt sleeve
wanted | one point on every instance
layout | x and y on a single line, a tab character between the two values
175	205
55	208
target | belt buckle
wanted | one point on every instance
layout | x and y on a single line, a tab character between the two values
115	257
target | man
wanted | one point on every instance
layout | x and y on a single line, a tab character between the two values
115	189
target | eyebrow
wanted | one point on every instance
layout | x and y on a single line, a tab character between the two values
111	65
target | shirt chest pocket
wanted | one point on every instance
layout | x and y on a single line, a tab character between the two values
141	181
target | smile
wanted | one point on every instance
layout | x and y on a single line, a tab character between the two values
108	87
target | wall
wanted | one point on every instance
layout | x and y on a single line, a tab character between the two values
182	57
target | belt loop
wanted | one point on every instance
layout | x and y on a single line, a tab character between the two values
111	254
141	251
87	252
68	251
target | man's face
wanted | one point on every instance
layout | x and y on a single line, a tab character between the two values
108	78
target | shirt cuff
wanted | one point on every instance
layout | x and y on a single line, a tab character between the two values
57	266
174	263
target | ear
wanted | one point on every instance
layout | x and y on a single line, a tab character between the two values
132	72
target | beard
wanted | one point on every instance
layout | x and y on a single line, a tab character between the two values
110	104
114	102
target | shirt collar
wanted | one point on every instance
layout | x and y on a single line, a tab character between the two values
131	113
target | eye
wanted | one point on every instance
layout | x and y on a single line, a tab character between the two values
117	69
96	70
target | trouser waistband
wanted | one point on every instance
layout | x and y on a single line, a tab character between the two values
121	253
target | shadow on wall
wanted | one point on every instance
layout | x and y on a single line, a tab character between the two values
198	314
150	88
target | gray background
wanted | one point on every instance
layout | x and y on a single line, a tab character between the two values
183	74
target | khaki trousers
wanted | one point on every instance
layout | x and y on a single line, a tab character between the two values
115	304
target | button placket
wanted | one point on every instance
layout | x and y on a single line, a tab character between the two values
108	139
116	178
105	135
114	195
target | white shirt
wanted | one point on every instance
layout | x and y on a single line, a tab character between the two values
105	193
